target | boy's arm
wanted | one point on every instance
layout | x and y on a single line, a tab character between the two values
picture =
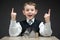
45	29
14	28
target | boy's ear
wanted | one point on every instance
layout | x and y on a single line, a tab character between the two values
23	12
36	11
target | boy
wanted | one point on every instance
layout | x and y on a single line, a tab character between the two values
29	28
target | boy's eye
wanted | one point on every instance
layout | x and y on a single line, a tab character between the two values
32	10
27	10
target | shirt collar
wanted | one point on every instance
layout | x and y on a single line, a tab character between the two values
31	19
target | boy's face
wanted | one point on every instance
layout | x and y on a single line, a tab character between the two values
29	11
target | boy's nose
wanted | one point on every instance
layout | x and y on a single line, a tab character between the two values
29	11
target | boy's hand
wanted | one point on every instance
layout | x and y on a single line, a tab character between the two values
47	16
13	14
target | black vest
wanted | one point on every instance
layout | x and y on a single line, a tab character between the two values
34	26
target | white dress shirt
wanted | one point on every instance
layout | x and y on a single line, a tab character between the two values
15	28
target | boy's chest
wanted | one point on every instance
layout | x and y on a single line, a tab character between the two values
34	26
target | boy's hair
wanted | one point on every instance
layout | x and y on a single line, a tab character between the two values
30	3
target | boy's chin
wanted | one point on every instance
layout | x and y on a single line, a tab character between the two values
30	18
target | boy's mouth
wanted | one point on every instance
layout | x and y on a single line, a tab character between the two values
29	15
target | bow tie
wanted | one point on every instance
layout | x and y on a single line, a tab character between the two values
30	22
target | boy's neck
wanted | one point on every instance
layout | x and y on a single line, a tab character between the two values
30	19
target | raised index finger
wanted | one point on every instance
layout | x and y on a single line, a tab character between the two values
49	11
12	10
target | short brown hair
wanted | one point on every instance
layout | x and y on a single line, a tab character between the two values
30	3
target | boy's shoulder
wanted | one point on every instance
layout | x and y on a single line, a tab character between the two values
24	21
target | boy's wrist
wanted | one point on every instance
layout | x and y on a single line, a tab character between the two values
13	19
47	21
